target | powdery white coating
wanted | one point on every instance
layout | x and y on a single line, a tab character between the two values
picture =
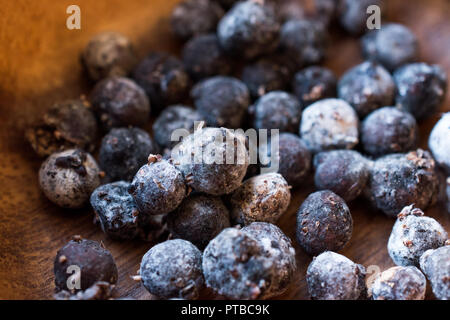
331	276
412	235
249	29
235	265
261	198
67	178
222	101
277	110
329	124
393	45
173	269
277	247
313	84
439	142
366	87
158	188
435	263
172	118
399	283
213	160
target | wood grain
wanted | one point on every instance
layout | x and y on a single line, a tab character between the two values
39	65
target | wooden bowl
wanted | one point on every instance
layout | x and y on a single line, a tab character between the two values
39	65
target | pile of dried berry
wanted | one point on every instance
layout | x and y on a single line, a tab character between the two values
190	188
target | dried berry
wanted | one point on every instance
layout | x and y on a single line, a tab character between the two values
439	142
101	290
345	172
108	54
173	118
235	265
294	159
222	101
399	283
68	124
324	11
388	130
173	269
278	248
120	102
303	41
313	84
199	219
421	88
393	46
412	235
397	180
436	266
119	216
158	187
203	57
123	151
262	198
329	124
332	276
353	14
324	223
277	110
367	87
67	178
249	29
163	78
213	160
195	17
81	263
266	74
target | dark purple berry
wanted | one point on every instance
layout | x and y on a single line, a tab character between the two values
436	266
353	14
313	84
439	142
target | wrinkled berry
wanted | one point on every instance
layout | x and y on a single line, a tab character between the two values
108	54
213	160
195	17
324	223
412	235
173	269
222	101
203	57
87	258
158	187
119	216
332	276
303	41
345	172
436	266
123	151
173	118
278	248
388	130
163	78
199	219
101	290
276	110
313	84
329	124
235	265
66	125
397	180
261	198
421	88
399	283
67	178
266	74
249	29
367	87
439	142
120	102
393	46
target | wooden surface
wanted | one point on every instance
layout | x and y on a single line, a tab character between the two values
39	65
